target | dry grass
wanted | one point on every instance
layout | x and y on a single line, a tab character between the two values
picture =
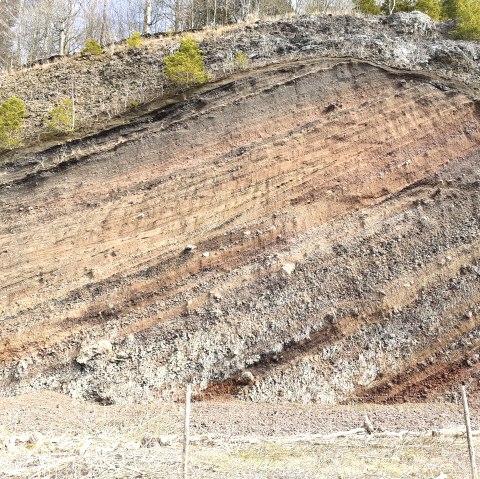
107	456
408	457
46	435
111	443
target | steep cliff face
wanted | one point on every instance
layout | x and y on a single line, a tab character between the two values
315	223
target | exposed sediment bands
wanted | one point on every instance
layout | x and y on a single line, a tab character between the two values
366	180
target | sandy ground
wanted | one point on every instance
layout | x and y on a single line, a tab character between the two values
53	413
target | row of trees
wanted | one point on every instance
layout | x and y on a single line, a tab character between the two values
34	29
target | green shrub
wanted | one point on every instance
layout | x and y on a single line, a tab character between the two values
368	7
185	67
61	117
135	40
432	8
241	61
12	113
133	104
468	16
92	47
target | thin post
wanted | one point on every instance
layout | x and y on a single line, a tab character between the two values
62	41
471	451
186	436
73	105
147	18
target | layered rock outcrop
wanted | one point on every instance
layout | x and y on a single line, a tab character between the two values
314	224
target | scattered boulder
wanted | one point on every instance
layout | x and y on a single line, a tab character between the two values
151	441
22	368
368	425
216	295
121	356
413	23
167	440
94	350
246	379
102	397
289	268
330	318
29	440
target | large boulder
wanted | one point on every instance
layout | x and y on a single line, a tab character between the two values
412	23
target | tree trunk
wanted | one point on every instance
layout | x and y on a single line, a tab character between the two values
62	41
147	22
177	15
103	31
68	29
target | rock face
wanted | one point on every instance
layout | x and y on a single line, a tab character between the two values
364	180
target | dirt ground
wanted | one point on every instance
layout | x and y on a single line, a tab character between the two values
47	435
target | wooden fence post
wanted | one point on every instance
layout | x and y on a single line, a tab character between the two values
471	450
186	436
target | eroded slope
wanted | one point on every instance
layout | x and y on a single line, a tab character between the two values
334	209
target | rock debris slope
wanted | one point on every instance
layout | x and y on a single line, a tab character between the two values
314	224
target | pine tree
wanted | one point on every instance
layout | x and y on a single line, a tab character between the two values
432	8
135	40
92	47
468	15
449	9
61	117
241	61
185	67
12	113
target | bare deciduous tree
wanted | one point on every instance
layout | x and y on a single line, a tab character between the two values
147	23
8	18
35	29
